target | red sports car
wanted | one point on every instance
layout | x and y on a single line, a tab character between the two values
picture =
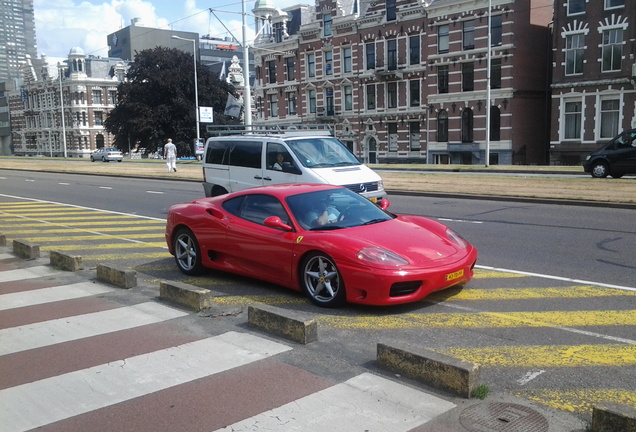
327	241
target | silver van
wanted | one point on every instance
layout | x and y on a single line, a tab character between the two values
236	162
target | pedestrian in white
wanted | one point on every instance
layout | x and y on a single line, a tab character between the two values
170	155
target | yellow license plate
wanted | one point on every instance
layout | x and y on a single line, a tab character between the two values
373	200
455	275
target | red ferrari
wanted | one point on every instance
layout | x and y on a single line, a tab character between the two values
327	241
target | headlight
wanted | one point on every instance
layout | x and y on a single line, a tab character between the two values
380	185
378	256
456	238
588	157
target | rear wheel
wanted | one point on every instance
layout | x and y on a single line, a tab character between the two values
92	159
104	159
187	253
217	190
321	280
600	169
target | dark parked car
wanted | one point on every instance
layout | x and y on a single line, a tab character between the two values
616	158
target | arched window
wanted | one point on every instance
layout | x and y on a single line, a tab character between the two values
495	123
467	125
442	126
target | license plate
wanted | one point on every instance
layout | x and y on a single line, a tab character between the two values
373	200
455	275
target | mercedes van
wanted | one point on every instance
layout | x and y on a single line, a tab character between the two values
235	162
616	158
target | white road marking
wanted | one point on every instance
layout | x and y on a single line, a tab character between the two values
39	403
459	220
155	192
27	273
36	335
105	187
529	376
52	294
365	402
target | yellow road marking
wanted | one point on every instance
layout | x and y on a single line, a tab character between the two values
126	257
483	274
547	356
95	217
94	246
264	299
579	400
39	224
78	230
581	291
53	239
33	213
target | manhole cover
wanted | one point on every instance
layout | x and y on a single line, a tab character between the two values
502	417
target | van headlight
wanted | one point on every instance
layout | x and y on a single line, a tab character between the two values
380	185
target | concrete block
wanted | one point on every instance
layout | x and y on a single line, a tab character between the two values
25	249
123	278
437	370
613	417
65	261
192	297
282	323
3	240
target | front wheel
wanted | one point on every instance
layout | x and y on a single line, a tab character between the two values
600	170
321	281
92	159
187	253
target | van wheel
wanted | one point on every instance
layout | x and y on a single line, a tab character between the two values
600	170
217	190
617	175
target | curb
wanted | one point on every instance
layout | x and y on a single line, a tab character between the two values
612	417
65	261
123	278
282	323
26	250
185	295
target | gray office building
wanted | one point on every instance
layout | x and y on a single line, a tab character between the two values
17	37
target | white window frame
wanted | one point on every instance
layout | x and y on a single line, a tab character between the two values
565	116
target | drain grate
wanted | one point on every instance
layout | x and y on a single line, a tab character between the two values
502	417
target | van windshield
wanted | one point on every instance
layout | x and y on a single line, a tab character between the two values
322	152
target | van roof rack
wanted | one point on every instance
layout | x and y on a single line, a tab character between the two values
298	129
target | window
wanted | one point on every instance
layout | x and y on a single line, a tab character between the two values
346	60
442	39
329	62
468	77
495	123
612	50
442	126
573	120
370	55
97	97
574	50
273	105
495	73
329	102
390	10
468	34
391	52
414	92
414	50
290	62
291	103
610	4
392	129
414	136
576	7
391	94
112	96
442	79
467	125
271	71
496	32
257	207
99	118
278	32
610	112
348	98
370	96
311	65
311	95
273	152
326	24
246	154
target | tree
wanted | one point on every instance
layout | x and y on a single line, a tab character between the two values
156	101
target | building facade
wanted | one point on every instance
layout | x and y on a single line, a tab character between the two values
594	76
407	81
89	89
17	38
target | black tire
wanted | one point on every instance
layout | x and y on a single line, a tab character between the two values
104	159
321	280
119	160
92	159
616	176
217	190
187	253
599	169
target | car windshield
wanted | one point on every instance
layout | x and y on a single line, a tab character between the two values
334	209
322	152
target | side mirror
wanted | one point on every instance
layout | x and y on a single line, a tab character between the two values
384	203
275	222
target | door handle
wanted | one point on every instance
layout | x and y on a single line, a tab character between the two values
258	177
267	178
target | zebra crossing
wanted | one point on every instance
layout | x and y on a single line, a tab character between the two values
98	371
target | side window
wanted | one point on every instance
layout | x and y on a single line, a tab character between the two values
256	208
246	154
218	153
278	158
233	206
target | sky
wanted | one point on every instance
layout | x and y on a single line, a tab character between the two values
64	24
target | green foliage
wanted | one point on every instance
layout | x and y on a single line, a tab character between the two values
156	101
481	392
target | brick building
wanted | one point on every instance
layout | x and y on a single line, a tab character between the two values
594	76
406	81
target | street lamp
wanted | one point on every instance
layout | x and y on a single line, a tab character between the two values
59	74
196	90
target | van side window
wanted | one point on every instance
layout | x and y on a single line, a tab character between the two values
246	154
218	153
278	158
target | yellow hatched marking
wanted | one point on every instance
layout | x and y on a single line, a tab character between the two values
488	274
269	300
53	239
94	246
487	320
39	212
581	291
547	356
71	223
125	257
96	217
55	230
579	401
